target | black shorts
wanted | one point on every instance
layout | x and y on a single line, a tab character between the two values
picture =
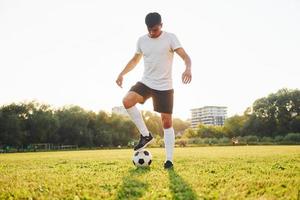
162	99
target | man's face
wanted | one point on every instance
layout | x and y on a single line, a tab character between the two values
154	31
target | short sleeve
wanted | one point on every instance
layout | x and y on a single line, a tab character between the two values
175	44
138	47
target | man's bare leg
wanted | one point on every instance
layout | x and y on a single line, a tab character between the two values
132	98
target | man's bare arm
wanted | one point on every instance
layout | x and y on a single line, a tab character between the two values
187	74
130	65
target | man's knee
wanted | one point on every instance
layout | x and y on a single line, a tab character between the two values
167	122
127	102
130	100
167	125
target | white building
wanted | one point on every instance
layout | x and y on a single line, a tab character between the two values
120	110
209	115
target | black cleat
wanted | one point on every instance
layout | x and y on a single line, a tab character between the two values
144	141
168	165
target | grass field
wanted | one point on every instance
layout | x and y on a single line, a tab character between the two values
241	172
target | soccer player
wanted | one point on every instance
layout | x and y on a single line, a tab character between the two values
157	49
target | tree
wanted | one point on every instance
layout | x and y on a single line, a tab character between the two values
153	123
234	125
180	126
73	125
190	133
210	131
275	114
41	123
12	125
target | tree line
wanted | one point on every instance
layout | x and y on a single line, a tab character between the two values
22	124
278	114
25	123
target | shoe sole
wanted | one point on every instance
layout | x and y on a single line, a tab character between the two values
168	168
145	145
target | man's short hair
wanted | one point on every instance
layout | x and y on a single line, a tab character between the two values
153	19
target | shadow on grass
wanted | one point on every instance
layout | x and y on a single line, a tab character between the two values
132	187
179	188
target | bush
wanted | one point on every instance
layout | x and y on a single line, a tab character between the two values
251	139
210	141
214	141
278	138
195	141
181	142
267	139
292	137
224	140
158	142
242	140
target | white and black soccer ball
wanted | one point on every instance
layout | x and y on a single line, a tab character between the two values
142	158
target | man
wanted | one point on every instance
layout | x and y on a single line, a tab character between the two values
157	48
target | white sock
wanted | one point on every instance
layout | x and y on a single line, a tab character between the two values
169	138
137	119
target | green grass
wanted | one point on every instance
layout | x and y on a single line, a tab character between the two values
241	172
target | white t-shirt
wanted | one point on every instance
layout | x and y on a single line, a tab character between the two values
158	58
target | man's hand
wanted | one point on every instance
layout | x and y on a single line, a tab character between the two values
119	81
130	65
187	76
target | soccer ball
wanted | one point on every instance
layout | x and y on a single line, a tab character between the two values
142	158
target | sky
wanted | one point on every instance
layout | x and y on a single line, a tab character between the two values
63	52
